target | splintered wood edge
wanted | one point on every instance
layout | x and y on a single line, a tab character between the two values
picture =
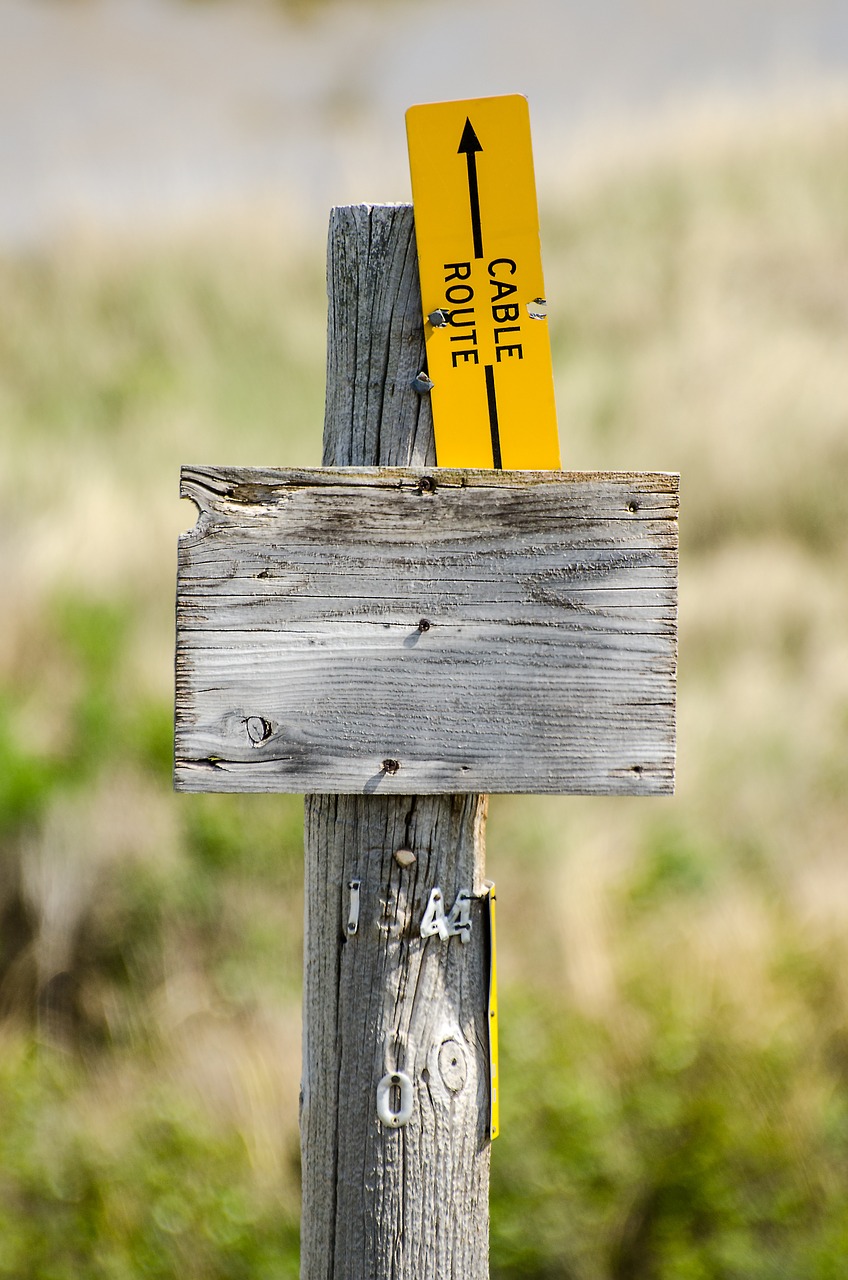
207	485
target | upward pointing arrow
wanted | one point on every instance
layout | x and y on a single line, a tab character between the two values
469	145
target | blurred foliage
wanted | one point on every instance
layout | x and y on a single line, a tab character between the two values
675	999
163	1193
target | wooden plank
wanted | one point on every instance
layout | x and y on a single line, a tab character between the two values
410	630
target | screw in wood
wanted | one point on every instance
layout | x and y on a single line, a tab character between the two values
424	625
391	766
426	485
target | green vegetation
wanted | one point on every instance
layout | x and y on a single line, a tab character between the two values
674	991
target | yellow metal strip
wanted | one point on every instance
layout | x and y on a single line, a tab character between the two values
485	319
480	264
494	1082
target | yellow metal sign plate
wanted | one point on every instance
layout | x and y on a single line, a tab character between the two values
477	228
494	1082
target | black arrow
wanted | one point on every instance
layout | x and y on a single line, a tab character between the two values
469	145
493	417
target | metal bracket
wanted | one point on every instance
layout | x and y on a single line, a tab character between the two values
353	909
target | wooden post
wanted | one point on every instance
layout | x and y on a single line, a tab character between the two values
408	1203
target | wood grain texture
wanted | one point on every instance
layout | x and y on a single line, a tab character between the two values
412	1204
375	342
498	631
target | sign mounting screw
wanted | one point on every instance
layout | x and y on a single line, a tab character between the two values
422	384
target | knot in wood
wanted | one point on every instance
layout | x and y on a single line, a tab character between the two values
452	1065
258	729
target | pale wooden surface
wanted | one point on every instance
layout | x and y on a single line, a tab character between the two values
375	342
410	1204
498	631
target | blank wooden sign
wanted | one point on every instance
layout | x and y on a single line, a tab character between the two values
409	631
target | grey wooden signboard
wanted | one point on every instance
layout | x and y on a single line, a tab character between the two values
427	631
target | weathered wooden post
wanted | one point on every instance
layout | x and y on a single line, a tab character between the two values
410	1202
395	640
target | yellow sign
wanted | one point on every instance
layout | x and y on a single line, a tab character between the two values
494	1083
477	228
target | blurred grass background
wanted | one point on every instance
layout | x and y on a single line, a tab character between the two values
674	973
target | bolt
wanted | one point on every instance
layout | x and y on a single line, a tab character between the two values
422	383
439	318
